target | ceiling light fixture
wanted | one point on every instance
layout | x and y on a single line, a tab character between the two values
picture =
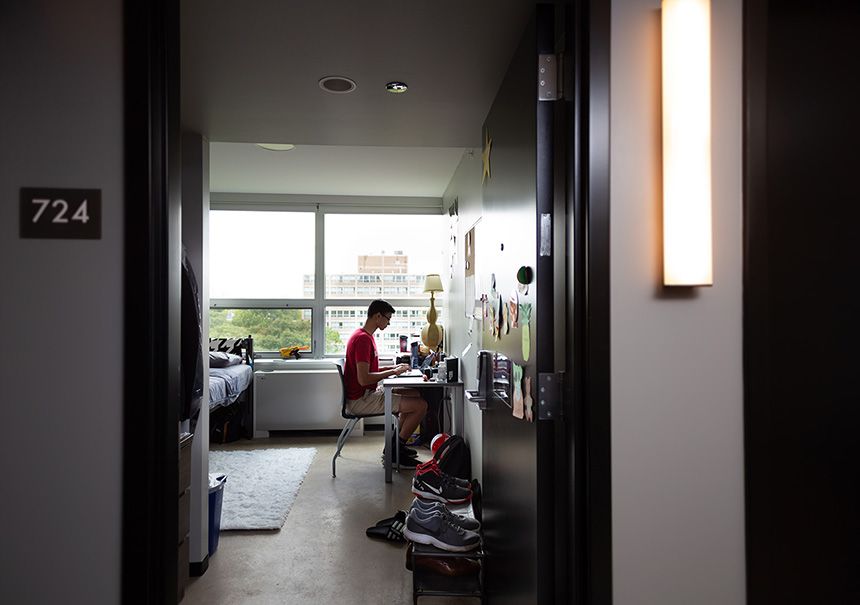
338	85
396	88
276	146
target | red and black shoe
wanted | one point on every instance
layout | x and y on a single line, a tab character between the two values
433	466
433	484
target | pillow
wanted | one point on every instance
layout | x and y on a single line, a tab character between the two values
219	359
228	345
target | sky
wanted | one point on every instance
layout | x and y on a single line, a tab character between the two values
267	254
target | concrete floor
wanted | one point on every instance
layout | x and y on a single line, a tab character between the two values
321	555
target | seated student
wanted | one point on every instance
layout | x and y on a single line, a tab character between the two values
362	374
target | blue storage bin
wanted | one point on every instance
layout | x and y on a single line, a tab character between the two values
216	499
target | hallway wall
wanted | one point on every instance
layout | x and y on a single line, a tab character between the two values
677	424
195	237
465	188
61	306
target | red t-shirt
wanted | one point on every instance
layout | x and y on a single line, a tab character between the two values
361	346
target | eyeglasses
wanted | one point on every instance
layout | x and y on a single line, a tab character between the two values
387	317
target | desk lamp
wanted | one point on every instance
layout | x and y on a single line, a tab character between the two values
431	334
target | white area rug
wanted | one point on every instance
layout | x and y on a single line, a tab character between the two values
261	485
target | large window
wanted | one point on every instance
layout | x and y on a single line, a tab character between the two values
381	255
270	328
342	321
265	274
261	255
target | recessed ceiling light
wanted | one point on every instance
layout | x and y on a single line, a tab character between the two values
396	87
276	146
338	85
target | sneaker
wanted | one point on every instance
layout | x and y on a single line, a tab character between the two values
389	529
404	450
406	461
425	508
434	485
432	465
438	531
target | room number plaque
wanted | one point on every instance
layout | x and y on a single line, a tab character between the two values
61	213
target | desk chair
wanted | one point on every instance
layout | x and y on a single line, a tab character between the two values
352	420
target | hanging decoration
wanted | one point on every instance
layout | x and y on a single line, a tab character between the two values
500	316
528	402
525	312
525	276
485	154
517	409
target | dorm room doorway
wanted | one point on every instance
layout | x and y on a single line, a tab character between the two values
150	456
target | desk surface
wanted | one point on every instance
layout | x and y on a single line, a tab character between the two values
418	381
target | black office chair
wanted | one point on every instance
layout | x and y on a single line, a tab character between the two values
352	420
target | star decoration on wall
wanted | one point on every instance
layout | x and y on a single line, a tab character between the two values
488	143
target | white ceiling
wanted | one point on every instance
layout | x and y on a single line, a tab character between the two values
250	73
333	170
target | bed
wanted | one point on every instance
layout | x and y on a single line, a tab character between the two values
231	388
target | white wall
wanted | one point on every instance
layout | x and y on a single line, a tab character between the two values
61	306
465	187
195	237
677	430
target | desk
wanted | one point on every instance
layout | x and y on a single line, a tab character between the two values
419	383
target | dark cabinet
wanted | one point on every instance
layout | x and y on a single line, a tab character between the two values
184	511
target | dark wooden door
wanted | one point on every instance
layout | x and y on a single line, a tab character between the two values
523	226
801	326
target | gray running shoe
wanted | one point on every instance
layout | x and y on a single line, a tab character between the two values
438	531
427	508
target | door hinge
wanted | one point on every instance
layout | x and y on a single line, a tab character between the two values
549	395
549	77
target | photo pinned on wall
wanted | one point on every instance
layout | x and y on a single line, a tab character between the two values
473	304
513	309
469	255
528	402
493	327
494	308
453	227
525	313
500	316
518	409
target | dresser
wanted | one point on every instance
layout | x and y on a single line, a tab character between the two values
184	511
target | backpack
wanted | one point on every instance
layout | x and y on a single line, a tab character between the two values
453	457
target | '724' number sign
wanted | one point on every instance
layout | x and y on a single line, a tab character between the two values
61	213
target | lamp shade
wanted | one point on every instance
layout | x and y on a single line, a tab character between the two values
433	283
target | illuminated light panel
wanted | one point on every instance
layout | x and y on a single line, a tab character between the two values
687	245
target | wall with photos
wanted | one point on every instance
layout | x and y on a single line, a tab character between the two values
464	192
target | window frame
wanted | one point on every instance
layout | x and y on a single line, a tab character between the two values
331	205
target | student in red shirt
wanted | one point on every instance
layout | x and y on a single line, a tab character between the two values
362	374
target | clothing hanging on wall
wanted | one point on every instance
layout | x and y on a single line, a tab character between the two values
191	334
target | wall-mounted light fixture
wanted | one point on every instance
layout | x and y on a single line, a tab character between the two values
687	249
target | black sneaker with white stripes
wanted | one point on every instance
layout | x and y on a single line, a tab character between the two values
440	532
389	529
434	485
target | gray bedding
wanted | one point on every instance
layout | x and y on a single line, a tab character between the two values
226	384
